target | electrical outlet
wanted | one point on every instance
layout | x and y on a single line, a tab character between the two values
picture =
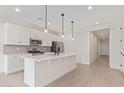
120	28
120	40
121	65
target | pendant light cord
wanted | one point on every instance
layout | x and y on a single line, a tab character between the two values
62	24
46	17
72	28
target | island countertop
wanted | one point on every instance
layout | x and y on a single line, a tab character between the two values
40	70
48	56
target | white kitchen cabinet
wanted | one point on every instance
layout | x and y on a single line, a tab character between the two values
13	64
20	35
43	37
35	34
16	34
23	36
39	73
11	34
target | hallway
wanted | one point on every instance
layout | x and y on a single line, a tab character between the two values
97	74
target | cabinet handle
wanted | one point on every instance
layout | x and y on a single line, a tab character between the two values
121	65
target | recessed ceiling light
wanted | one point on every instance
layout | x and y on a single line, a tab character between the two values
97	22
17	10
90	8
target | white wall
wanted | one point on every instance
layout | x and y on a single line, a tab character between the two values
79	45
93	47
1	47
82	43
115	46
69	44
104	47
98	47
82	47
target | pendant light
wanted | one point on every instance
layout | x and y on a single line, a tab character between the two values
46	28
72	30
62	25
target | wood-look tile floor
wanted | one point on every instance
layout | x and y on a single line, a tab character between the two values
96	74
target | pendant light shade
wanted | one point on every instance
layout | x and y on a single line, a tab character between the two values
46	28
72	30
62	25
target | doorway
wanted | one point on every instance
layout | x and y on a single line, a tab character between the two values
99	44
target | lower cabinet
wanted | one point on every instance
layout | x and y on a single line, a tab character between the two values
13	64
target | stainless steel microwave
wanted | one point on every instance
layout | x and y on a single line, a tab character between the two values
35	42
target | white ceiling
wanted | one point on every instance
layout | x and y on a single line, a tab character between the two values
79	13
102	34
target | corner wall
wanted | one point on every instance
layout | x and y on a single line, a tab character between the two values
115	46
79	45
93	47
1	47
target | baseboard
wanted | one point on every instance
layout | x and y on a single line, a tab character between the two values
13	72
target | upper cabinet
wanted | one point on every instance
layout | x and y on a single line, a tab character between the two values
16	34
23	36
43	37
35	34
11	33
20	35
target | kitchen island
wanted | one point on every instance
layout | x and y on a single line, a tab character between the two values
41	70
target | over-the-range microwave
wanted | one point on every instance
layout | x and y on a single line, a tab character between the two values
35	42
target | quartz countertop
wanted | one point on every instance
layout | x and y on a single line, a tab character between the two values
48	56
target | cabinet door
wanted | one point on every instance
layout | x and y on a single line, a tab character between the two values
49	40
23	36
13	64
21	63
44	38
34	34
11	34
